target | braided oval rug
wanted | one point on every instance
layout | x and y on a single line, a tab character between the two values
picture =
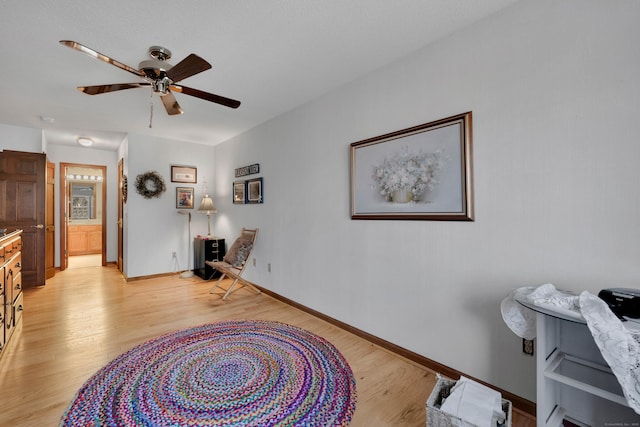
234	373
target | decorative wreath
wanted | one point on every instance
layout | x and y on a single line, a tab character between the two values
125	189
150	184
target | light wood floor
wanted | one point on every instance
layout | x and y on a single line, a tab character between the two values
83	318
84	261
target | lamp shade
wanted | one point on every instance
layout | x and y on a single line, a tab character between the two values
206	206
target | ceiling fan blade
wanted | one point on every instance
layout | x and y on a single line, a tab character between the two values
188	67
170	104
97	55
227	102
96	90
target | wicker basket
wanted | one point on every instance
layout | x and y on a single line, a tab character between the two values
437	418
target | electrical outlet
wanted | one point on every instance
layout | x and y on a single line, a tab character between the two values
269	267
527	346
254	262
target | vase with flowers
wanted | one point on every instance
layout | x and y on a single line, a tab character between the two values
405	176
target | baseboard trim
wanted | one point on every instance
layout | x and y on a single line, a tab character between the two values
151	276
518	402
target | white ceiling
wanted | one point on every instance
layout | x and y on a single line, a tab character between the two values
272	55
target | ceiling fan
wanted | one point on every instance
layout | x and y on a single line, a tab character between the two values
159	75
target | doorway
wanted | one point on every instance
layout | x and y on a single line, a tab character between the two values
83	215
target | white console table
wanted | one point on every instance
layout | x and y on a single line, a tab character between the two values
574	382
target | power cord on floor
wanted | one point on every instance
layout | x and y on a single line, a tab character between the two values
176	265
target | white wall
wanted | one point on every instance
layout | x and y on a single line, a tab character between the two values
17	138
553	86
154	229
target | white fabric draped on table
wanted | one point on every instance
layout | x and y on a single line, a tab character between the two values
619	345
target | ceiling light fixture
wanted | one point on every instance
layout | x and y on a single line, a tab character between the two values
73	177
85	142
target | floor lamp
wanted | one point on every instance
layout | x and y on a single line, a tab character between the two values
188	272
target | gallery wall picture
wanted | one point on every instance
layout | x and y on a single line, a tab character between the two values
250	191
184	197
186	174
254	190
238	192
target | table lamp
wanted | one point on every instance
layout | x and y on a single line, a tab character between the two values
206	206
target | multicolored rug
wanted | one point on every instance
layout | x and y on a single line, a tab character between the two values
235	373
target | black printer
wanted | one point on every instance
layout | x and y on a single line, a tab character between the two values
622	301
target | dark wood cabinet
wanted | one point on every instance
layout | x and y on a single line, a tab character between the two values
207	249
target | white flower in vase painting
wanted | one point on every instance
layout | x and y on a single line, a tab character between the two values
407	176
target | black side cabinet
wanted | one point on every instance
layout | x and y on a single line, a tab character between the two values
205	249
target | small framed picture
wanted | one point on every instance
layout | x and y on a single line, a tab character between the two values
184	197
254	190
187	174
238	192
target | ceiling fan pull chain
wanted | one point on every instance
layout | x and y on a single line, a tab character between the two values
151	112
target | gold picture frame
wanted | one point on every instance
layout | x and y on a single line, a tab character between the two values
184	197
185	174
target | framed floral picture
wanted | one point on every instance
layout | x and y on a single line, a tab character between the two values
420	173
184	197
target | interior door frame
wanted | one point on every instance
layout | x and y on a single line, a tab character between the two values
121	201
64	211
50	224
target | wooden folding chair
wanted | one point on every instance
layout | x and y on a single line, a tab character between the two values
235	261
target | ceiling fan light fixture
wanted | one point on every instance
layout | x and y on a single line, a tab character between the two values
85	142
161	86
